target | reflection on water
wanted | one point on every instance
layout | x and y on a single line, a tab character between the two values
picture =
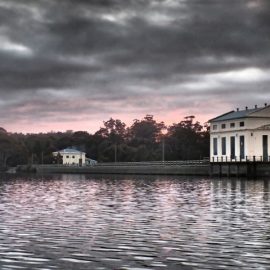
133	223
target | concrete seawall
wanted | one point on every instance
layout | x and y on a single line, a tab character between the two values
249	170
151	170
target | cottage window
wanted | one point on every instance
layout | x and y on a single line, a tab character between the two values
215	146
223	126
67	156
242	124
232	125
73	156
214	127
223	145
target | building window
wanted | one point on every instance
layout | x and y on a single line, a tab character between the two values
67	156
73	156
242	147
215	147
214	127
223	145
265	147
242	124
232	147
232	125
223	126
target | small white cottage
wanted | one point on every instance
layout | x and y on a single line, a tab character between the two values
241	135
71	156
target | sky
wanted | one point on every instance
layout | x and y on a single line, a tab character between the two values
72	64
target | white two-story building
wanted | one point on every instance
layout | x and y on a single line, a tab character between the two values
241	135
71	157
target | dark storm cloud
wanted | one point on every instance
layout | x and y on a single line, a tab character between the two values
71	57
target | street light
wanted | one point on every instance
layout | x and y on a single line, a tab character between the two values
115	152
42	158
164	132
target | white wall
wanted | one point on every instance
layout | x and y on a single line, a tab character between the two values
253	123
73	158
250	123
256	142
253	144
253	135
228	145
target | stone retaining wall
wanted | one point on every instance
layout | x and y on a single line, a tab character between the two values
152	170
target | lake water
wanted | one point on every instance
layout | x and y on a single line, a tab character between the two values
133	223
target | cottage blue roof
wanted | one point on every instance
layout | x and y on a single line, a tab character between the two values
235	115
70	150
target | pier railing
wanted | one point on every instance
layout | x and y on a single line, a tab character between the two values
136	164
241	159
155	163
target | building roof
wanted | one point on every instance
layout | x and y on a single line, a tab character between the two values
264	127
236	114
90	159
69	151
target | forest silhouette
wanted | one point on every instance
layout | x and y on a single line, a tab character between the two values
114	141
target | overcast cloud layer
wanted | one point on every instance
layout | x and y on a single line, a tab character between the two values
69	64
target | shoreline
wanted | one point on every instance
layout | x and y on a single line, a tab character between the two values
249	170
202	170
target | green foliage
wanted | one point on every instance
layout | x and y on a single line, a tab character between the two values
142	141
12	150
146	131
188	139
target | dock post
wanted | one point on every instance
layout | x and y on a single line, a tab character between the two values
229	170
254	174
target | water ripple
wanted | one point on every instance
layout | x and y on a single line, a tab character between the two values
133	223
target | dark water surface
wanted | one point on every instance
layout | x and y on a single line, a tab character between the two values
133	223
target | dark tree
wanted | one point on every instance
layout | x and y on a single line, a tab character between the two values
144	135
187	140
142	141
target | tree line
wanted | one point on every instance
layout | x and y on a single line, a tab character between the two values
145	140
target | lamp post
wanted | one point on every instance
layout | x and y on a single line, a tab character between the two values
163	149
42	158
115	153
164	132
